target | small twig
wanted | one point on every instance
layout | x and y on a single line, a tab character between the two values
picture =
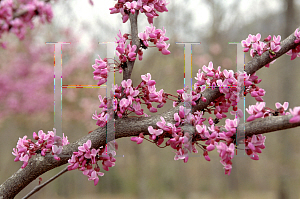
37	188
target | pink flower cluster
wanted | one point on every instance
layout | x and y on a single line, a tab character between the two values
226	153
189	98
127	53
230	84
86	158
296	51
296	115
131	99
254	145
149	7
184	142
259	47
260	111
157	36
46	143
257	111
17	18
101	70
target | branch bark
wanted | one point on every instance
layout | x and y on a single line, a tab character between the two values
135	41
127	127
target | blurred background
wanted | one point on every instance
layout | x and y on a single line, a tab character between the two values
146	171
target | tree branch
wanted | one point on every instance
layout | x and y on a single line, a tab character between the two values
37	188
127	127
251	67
260	61
135	41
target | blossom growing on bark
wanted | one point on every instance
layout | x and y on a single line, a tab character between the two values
86	160
46	143
296	115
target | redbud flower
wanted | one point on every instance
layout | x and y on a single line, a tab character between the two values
154	132
296	115
297	35
139	139
282	108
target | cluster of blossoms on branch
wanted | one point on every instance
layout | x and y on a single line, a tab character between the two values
184	142
157	36
46	143
260	111
148	7
259	47
296	51
228	82
128	52
86	158
17	17
131	99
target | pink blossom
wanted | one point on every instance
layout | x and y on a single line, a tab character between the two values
202	130
285	105
126	83
256	111
254	145
124	103
86	146
46	143
231	126
154	132
101	118
153	110
182	154
94	176
297	35
274	47
146	77
282	108
210	147
165	50
139	139
277	39
268	38
226	153
131	6
163	125
294	52
296	115
137	109
131	52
